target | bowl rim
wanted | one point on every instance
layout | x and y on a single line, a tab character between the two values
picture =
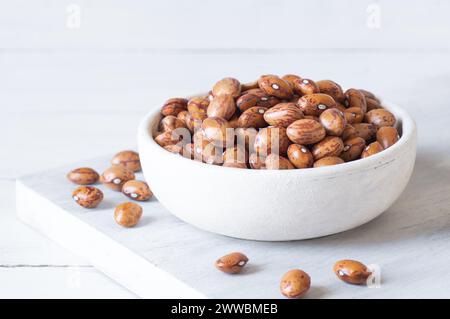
408	134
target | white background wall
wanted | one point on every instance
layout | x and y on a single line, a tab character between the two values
232	24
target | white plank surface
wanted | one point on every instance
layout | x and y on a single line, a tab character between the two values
21	246
32	266
47	127
116	260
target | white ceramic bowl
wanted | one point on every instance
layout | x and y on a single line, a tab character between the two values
277	205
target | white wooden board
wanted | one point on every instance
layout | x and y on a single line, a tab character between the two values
164	257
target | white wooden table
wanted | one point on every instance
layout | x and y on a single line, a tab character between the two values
59	105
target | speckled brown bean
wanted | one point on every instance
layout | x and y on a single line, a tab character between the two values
354	98
169	137
300	156
387	136
268	101
351	271
328	161
275	161
182	116
305	132
235	157
312	117
198	137
372	104
305	86
333	121
354	115
329	146
271	140
353	148
365	130
188	151
176	149
227	86
115	176
128	214
257	162
170	123
245	137
217	131
315	104
293	99
340	107
371	149
222	106
290	78
332	89
273	85
246	101
253	117
208	153
234	121
368	94
137	190
295	283
349	132
83	176
192	124
87	196
174	106
232	263
197	107
249	85
127	159
380	118
283	114
257	91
